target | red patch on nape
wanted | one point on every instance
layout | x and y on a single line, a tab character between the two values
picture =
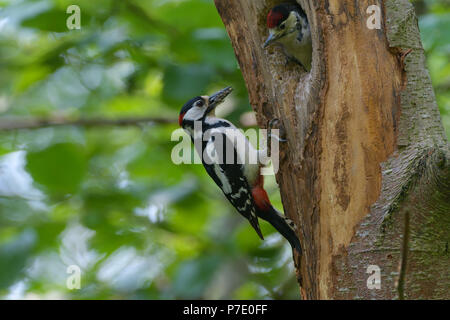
274	18
180	118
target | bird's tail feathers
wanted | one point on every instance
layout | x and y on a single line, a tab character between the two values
255	224
283	225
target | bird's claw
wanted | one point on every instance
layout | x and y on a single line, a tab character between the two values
270	125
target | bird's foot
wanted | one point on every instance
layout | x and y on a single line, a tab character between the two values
270	135
270	125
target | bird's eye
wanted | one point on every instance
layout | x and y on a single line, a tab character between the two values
282	26
199	103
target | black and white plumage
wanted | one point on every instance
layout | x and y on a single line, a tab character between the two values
233	163
288	26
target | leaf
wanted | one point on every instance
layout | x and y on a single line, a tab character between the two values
30	76
193	276
184	82
434	33
14	255
60	168
52	20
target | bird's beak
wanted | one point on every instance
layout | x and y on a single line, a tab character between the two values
270	39
217	98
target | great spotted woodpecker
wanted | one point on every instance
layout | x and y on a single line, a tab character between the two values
289	27
239	179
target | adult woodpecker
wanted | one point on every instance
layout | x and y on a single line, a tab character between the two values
289	27
218	142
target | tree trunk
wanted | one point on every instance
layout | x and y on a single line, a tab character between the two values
365	173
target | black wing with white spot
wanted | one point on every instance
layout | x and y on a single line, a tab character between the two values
231	179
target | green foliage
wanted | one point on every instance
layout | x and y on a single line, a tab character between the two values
60	167
109	199
51	20
434	24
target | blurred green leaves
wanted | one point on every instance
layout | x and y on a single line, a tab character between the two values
110	199
60	168
51	20
181	81
195	274
14	255
434	28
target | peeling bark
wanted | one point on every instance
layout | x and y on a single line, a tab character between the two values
366	147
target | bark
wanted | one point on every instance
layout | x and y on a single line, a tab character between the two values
365	173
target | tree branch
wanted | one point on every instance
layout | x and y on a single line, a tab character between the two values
36	123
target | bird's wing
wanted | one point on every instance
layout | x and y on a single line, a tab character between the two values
230	178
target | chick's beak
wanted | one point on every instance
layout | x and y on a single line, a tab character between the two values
270	39
217	98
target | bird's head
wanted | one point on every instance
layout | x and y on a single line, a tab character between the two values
283	20
199	107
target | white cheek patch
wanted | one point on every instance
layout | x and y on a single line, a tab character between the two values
291	21
195	113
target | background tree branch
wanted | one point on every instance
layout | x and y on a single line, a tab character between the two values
36	123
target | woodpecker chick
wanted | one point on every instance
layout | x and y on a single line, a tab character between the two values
288	26
239	179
